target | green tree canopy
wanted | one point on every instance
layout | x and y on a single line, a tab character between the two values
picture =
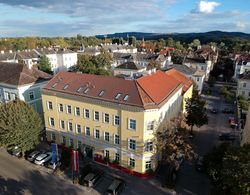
44	64
20	125
228	168
196	112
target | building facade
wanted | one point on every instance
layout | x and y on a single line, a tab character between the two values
243	85
109	117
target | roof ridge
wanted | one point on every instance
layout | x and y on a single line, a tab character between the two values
138	85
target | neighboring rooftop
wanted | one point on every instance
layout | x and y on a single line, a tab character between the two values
245	76
18	74
194	60
183	68
146	92
130	66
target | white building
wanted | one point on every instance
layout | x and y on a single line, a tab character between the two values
243	85
242	64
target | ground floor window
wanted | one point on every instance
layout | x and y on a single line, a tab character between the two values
106	154
117	157
63	140
131	162
148	165
53	136
71	142
79	144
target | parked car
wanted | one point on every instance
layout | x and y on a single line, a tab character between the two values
32	156
92	178
16	152
116	187
214	111
41	159
227	111
227	137
50	164
199	164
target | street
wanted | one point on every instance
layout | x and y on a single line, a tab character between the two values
190	181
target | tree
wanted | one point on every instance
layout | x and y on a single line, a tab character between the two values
172	141
228	167
170	42
211	81
44	65
154	64
20	125
243	103
196	112
132	41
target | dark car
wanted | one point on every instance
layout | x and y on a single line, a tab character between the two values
199	164
16	152
214	111
92	178
227	111
116	187
227	137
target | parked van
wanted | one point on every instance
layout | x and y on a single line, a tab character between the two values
92	178
116	187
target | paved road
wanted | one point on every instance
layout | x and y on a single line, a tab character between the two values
206	137
18	176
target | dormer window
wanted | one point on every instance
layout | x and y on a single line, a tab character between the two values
86	90
66	86
79	89
117	96
101	93
54	85
126	98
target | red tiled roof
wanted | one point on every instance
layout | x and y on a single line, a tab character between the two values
180	77
146	92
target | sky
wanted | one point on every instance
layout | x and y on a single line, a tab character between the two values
93	17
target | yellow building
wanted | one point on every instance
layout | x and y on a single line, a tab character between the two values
111	117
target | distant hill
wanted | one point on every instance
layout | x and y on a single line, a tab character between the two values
215	36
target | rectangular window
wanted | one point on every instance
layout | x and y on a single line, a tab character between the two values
7	95
116	120
86	113
87	131
117	157
78	128
131	144
70	126
131	162
197	79
63	140
243	92
96	116
69	109
149	146
106	118
132	124
62	124
79	144
53	136
77	111
106	154
71	142
148	165
106	136
60	107
50	105
31	94
244	84
150	126
117	139
97	133
51	122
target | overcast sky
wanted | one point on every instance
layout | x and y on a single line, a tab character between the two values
91	17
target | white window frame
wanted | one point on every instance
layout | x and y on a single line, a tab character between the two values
148	165
98	116
149	147
105	136
85	131
59	107
76	111
116	139
50	124
78	125
129	162
129	144
32	94
104	118
84	113
52	136
95	133
69	126
151	124
67	111
119	157
48	105
61	124
115	120
129	121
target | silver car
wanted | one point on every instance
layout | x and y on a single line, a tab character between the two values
43	158
32	156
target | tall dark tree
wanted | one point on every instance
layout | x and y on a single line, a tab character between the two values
44	65
132	40
20	125
196	112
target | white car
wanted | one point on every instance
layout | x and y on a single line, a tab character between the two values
43	158
32	156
